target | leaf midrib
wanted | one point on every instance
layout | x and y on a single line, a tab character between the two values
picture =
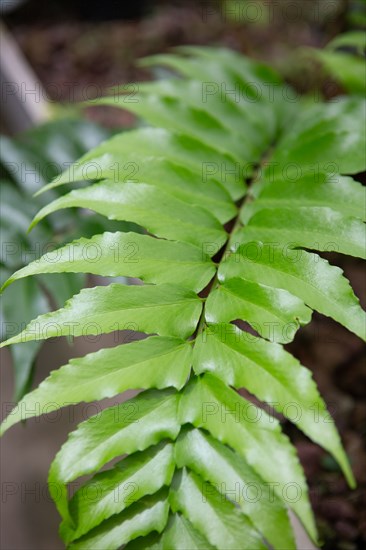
215	282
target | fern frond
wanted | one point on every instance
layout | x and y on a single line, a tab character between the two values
198	452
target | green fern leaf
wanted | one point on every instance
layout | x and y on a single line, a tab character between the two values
271	374
99	439
129	255
109	493
341	194
124	367
218	519
238	189
181	534
230	475
273	312
208	403
168	310
145	516
309	277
